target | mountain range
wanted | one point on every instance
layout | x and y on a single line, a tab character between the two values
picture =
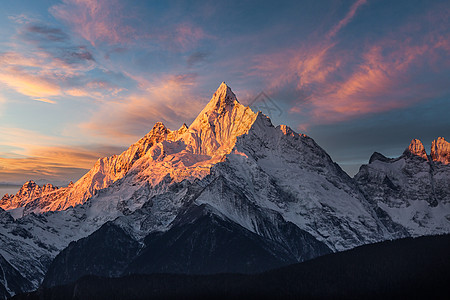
229	193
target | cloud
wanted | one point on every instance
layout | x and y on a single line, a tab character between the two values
32	85
44	63
350	14
170	100
196	58
45	100
186	35
47	32
26	154
96	20
329	83
113	23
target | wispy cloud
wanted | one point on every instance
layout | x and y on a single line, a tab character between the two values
334	84
45	100
26	153
171	100
44	63
348	17
96	20
32	85
196	58
47	32
109	21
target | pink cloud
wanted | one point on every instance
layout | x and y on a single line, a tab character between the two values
350	14
171	100
95	20
106	21
334	84
187	35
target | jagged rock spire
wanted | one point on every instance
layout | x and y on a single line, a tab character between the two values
440	150
416	148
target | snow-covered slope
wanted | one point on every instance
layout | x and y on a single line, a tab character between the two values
290	174
246	171
161	155
160	162
413	189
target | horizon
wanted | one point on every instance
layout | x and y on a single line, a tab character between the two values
81	80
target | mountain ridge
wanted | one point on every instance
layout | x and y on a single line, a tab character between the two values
268	182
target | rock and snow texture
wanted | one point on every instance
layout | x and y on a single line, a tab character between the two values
161	155
27	193
245	170
413	189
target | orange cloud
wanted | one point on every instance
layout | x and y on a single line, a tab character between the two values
45	100
41	76
28	84
170	100
25	153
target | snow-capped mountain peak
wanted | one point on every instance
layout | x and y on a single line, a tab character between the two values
215	129
269	181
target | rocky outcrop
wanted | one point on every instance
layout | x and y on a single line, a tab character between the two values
440	151
413	189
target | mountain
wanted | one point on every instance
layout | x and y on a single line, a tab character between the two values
11	281
231	173
27	193
440	151
201	241
413	189
405	268
184	153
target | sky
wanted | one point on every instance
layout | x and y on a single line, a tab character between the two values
83	79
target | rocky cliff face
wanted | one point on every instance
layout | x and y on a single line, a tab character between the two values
413	189
440	151
27	193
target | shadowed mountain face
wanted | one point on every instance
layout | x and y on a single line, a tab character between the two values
231	183
406	268
11	281
106	252
201	242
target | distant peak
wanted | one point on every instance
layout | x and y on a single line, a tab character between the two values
378	156
440	150
416	148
